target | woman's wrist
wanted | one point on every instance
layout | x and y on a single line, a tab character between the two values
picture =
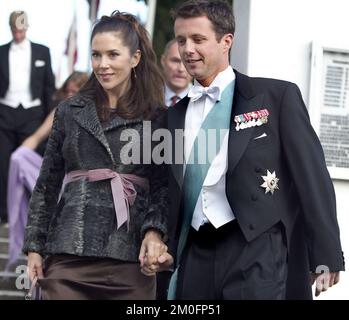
153	233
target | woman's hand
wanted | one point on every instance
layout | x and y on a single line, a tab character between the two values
31	142
151	249
35	266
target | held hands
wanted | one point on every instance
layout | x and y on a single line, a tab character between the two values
324	281
34	266
153	255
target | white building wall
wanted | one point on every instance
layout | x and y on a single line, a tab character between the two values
273	39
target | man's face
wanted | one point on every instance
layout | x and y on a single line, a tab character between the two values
202	54
176	76
18	35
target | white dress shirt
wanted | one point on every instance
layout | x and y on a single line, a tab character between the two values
212	205
19	75
169	94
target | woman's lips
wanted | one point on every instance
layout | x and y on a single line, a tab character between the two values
105	76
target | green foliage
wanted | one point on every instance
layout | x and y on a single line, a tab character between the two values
163	28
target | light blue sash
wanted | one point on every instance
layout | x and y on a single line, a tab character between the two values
196	170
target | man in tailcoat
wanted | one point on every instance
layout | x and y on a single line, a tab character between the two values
26	88
263	222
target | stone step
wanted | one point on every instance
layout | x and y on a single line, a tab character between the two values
3	245
11	295
22	260
8	283
4	230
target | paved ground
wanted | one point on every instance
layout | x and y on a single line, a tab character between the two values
8	290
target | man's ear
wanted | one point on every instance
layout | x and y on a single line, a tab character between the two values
227	41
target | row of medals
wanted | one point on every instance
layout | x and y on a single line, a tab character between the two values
250	123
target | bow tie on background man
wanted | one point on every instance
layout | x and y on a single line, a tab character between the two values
18	46
196	92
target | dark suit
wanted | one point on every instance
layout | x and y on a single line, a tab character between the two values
16	124
291	149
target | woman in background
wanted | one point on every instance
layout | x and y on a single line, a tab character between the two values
70	87
24	169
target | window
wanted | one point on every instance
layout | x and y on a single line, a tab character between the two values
329	106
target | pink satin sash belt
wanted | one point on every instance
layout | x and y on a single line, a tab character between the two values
122	186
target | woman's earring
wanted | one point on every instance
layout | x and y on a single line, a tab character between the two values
134	73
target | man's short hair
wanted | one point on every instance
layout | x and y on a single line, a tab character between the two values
168	46
19	20
219	12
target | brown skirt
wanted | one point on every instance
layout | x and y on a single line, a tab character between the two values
69	277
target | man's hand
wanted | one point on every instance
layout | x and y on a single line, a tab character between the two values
324	281
151	249
165	262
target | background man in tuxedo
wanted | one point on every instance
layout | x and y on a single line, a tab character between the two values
26	87
268	183
177	78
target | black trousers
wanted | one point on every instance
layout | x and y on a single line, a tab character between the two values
162	282
219	264
16	124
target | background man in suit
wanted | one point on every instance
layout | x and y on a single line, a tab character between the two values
177	78
26	88
268	180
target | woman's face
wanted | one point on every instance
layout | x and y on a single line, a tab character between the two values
112	62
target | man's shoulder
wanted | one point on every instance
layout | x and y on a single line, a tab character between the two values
263	81
5	46
263	84
39	47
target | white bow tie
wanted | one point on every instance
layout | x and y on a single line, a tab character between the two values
196	92
18	47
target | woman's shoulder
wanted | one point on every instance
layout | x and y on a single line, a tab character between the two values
77	100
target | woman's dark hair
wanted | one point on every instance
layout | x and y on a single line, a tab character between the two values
146	94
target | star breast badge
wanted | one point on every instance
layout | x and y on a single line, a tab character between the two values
270	182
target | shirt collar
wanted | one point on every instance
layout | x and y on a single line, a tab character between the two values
170	93
222	80
24	45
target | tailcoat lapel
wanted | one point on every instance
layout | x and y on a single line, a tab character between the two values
245	100
176	121
33	58
4	61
